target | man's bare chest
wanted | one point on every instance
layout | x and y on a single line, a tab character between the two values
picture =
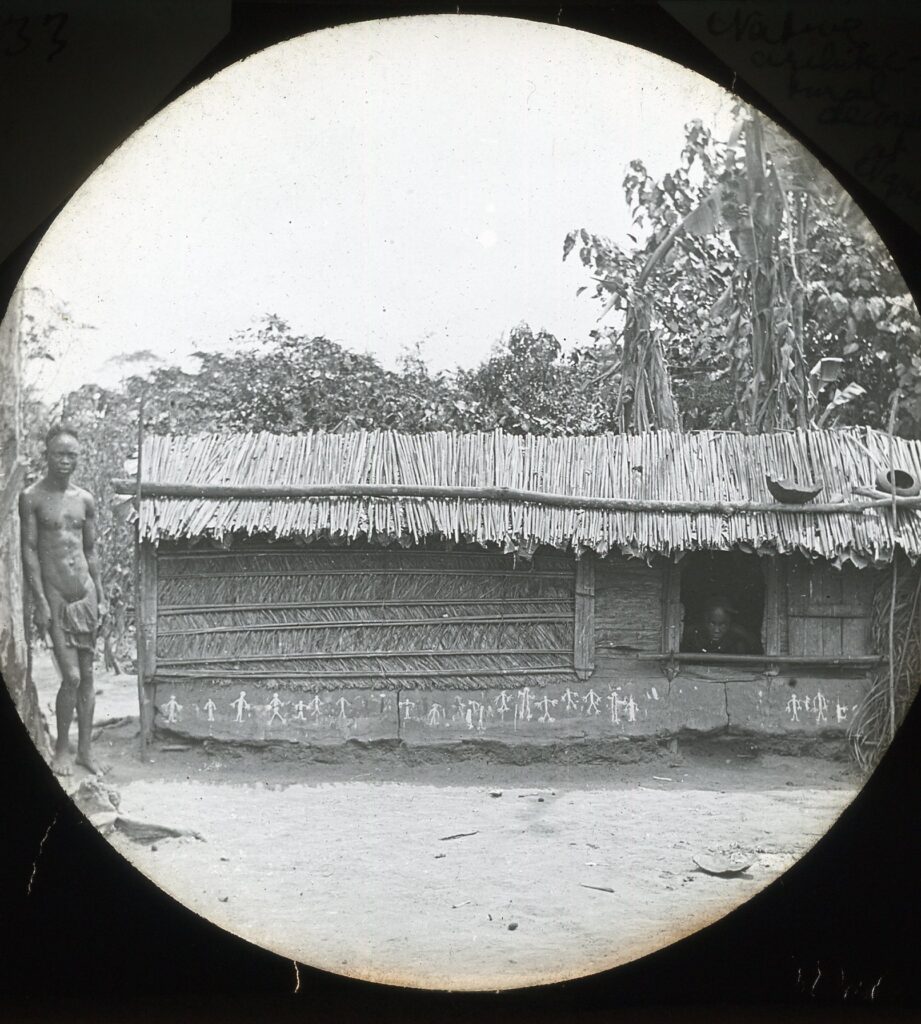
60	514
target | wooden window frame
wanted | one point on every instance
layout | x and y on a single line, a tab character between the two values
774	629
773	623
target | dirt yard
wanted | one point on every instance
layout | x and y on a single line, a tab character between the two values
455	870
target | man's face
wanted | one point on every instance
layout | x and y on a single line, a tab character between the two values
716	624
62	454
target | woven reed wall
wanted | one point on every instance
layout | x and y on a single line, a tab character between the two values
706	466
628	605
360	617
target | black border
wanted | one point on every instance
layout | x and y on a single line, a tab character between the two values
95	941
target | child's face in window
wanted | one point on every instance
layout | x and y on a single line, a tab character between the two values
716	624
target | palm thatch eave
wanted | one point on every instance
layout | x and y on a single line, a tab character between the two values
472	475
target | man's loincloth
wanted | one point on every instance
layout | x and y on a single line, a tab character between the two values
80	621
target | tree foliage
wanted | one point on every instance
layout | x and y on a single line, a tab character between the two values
749	264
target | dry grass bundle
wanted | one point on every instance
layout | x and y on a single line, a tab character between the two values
896	632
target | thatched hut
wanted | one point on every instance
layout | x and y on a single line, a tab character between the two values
443	586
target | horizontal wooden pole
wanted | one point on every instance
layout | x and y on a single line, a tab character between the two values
318	550
422	602
762	659
282	491
397	570
348	655
308	677
365	623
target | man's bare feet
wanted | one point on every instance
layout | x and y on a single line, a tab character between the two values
90	763
60	763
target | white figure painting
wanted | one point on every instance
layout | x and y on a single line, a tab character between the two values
630	708
299	710
406	707
794	706
435	714
503	704
210	708
544	705
591	703
275	705
570	700
343	704
523	712
459	712
474	715
171	709
241	704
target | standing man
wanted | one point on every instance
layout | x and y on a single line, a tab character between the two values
59	550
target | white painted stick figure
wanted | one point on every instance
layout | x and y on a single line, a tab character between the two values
241	704
545	703
570	700
171	709
406	706
435	714
629	706
210	708
591	703
275	705
474	715
793	707
523	705
459	714
820	707
299	710
841	711
502	703
343	705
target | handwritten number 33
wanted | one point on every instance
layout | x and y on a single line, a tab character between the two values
22	35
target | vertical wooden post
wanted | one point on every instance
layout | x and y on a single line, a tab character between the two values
893	419
671	607
584	623
775	606
146	624
142	595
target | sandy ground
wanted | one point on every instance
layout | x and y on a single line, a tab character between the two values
348	863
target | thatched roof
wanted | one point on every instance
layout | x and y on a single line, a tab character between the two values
701	468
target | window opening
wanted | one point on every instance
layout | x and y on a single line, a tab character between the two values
722	599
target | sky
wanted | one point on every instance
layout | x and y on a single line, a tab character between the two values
386	184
